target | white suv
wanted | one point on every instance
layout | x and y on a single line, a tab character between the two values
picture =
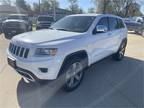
67	48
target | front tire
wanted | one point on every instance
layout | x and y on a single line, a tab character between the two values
8	36
74	73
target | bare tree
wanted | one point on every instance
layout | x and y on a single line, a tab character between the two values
5	2
74	7
126	8
91	10
122	8
102	5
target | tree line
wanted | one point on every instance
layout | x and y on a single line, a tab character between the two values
124	8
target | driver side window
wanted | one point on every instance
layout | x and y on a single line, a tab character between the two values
102	22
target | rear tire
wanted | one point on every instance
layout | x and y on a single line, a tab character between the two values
119	55
142	33
73	74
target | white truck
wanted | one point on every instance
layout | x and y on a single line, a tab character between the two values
67	48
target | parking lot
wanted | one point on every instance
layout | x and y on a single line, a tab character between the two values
107	84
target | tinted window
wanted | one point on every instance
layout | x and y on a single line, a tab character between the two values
18	17
120	24
74	23
45	19
103	21
113	23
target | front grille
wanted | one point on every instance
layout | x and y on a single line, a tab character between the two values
12	24
45	24
19	50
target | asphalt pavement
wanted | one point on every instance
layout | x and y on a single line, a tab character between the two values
107	84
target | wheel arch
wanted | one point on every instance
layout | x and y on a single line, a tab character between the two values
80	54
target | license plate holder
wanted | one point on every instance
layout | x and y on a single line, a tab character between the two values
12	62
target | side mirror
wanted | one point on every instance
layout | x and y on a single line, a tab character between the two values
100	29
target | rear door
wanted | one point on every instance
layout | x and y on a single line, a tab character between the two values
115	34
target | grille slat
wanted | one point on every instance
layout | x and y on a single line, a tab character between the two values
26	53
12	48
15	48
19	50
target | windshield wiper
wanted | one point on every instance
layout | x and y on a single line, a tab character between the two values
62	29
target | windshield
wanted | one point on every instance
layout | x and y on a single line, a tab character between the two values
74	23
45	19
18	17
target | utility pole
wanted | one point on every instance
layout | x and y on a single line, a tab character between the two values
39	6
54	10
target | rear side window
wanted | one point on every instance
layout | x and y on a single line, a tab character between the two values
113	23
120	24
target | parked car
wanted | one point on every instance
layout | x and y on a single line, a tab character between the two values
44	22
135	24
67	48
16	24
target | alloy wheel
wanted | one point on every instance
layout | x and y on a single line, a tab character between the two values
122	51
74	74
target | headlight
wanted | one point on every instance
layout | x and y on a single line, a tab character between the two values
46	51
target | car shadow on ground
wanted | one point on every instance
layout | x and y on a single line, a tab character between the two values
106	84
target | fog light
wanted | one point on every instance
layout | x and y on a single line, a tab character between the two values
43	70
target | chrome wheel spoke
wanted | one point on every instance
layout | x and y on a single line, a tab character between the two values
71	81
78	77
69	73
122	51
74	74
74	66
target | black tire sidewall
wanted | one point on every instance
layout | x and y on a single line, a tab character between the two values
116	56
142	33
7	36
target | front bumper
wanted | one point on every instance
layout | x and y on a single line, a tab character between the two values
10	32
30	69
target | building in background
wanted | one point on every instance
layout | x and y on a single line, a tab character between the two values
59	13
5	10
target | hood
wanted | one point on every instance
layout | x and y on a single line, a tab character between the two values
47	36
14	20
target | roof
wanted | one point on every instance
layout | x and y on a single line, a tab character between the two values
44	16
18	15
85	14
11	9
95	15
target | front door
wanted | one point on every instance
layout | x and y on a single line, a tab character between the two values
101	41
